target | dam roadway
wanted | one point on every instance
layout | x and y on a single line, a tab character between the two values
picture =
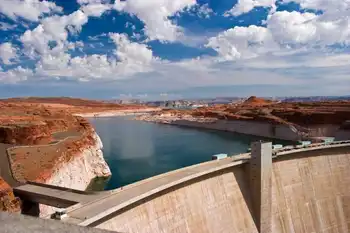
301	190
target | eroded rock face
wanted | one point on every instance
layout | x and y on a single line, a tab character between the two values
46	143
26	134
82	168
8	202
79	171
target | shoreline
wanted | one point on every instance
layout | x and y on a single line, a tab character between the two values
112	113
253	128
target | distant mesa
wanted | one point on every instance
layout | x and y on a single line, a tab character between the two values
255	101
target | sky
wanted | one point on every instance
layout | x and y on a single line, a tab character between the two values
168	49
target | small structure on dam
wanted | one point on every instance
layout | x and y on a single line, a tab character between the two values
289	189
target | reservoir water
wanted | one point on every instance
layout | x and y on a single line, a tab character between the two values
136	150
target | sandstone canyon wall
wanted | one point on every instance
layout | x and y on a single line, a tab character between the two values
79	171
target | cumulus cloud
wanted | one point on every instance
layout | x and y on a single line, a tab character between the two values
7	53
82	68
130	58
334	8
131	52
292	27
337	7
27	9
15	75
96	9
245	6
155	15
52	29
203	11
308	28
242	42
284	31
288	48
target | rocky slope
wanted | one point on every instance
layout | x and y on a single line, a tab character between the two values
44	141
8	202
290	121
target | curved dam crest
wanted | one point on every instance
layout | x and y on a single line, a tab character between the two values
309	194
301	190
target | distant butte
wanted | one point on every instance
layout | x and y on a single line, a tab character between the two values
255	101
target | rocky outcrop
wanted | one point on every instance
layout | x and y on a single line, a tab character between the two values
266	118
79	171
44	141
8	202
25	133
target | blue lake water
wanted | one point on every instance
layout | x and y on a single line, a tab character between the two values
136	150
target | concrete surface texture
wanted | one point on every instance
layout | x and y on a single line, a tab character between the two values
16	223
300	190
309	193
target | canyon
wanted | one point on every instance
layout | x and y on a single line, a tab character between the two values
295	189
44	140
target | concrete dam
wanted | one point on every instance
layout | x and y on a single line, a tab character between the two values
297	190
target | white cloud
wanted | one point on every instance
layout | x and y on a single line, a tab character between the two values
292	27
131	52
95	10
131	58
204	11
287	51
15	75
53	29
155	13
27	9
334	7
7	53
284	31
242	42
245	6
308	28
83	68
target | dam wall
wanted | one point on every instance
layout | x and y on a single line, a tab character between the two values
214	203
306	191
310	191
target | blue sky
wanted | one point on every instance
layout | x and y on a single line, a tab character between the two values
159	49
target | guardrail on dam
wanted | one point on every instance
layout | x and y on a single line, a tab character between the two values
299	190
